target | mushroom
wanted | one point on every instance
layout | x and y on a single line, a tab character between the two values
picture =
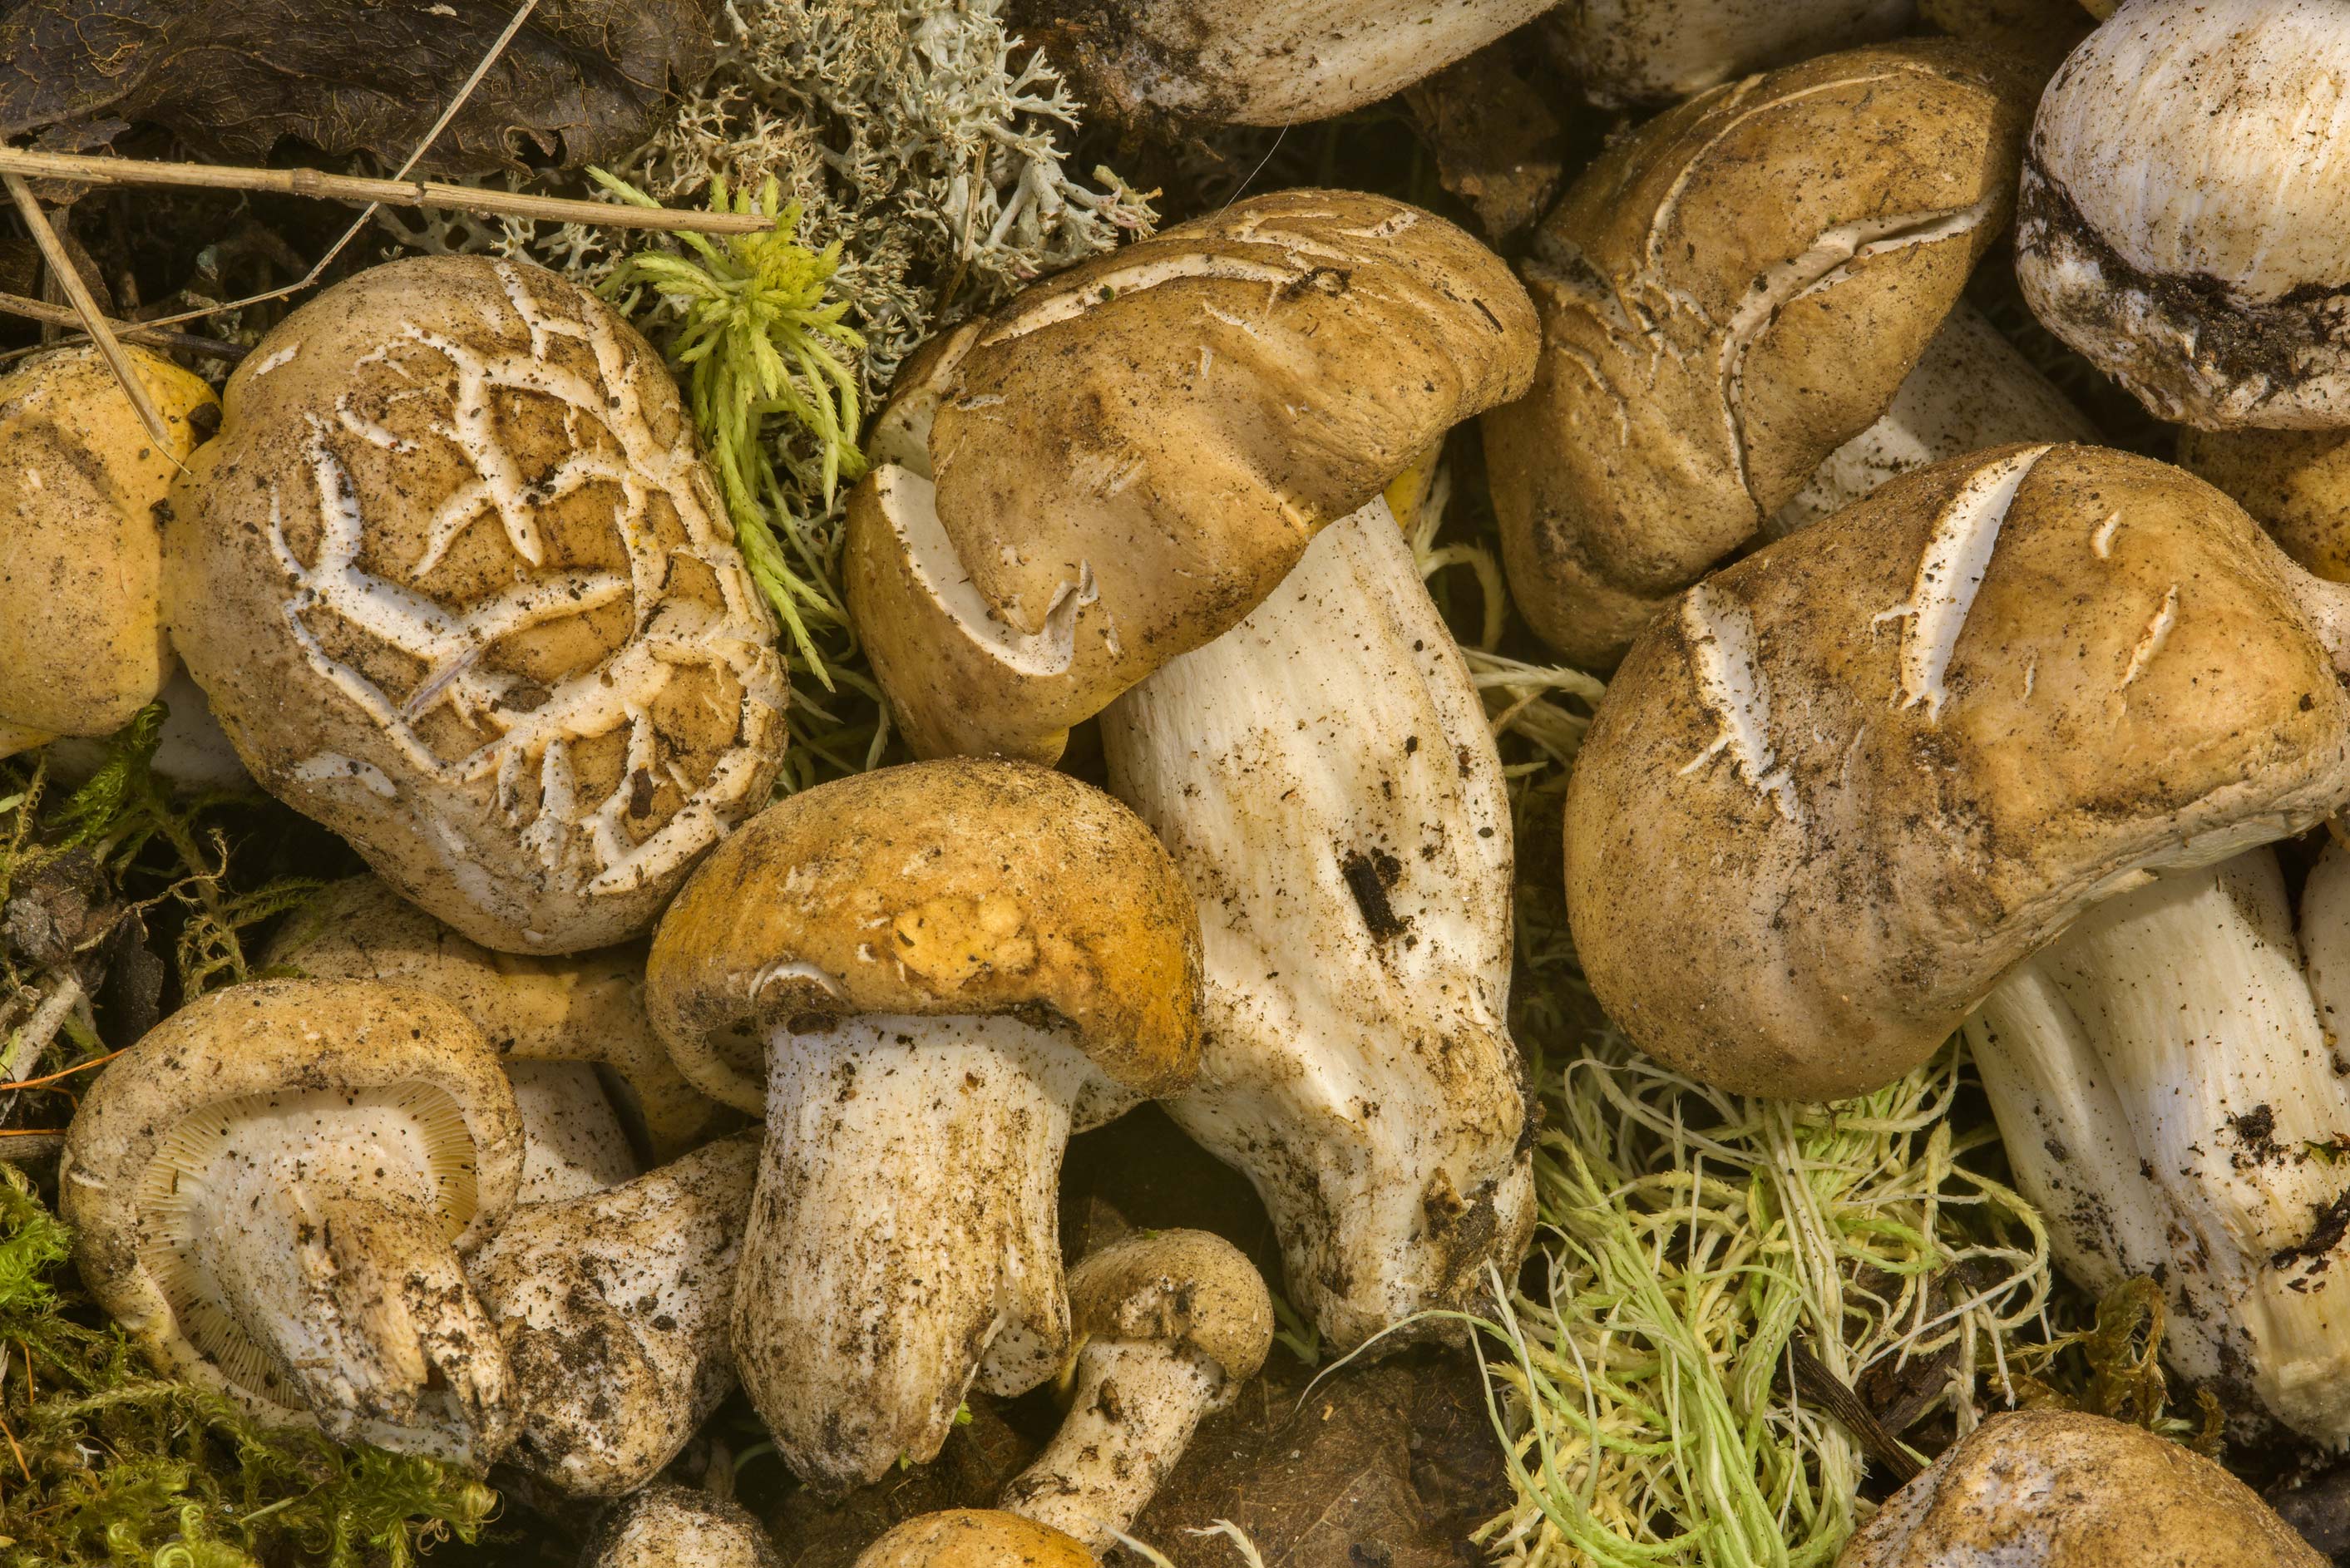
949	966
1730	294
1171	1324
459	585
548	1017
1114	469
671	1526
271	1191
1849	783
1625	52
612	1305
2184	215
2170	1098
1325	778
973	1537
82	484
2057	1489
572	1143
2296	484
1969	389
1257	62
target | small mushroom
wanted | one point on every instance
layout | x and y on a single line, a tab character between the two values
2056	1489
1849	783
1171	1324
589	1009
1626	52
271	1192
1257	62
973	1537
2184	218
1113	469
460	587
1730	293
671	1526
613	1308
82	487
1325	777
948	968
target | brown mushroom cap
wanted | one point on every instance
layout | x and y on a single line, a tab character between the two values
250	1043
954	887
1180	1288
459	585
81	635
973	1537
2056	1489
2296	484
1835	795
1128	457
586	1008
1728	295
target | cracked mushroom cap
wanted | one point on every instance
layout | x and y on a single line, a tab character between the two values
1258	62
2056	1489
460	587
671	1526
2184	217
266	1064
1114	469
957	888
1186	1289
81	489
589	1008
973	1537
1843	785
1728	295
1624	52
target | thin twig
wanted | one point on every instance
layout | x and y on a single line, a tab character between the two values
129	331
26	1048
93	321
67	1073
124	172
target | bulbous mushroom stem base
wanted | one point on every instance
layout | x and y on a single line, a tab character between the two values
1136	1409
904	1238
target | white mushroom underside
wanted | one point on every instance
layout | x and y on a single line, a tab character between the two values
1136	1409
905	1238
1324	779
2170	1099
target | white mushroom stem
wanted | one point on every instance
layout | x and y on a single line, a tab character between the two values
573	1143
2170	1099
311	1249
905	1237
1136	1408
1324	776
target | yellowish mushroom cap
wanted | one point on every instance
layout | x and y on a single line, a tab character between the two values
973	1537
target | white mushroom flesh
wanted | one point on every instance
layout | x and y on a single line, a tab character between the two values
1971	389
304	1241
2170	1099
1324	776
905	1237
573	1143
1136	1408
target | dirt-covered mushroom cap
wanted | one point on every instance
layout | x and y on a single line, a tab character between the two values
973	1537
671	1526
612	1307
2184	219
2057	1489
1258	62
1623	52
81	483
2296	484
1728	295
1845	784
950	967
585	1009
956	886
1171	1324
269	1191
1128	456
459	585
